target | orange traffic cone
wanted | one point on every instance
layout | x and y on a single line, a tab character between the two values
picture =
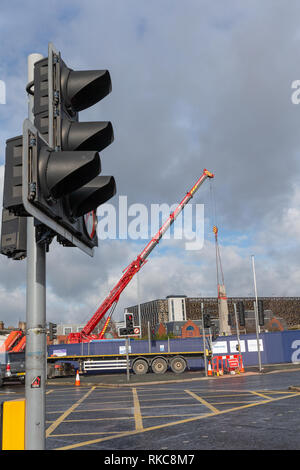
209	371
242	365
77	380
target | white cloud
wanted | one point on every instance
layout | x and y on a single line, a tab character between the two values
195	84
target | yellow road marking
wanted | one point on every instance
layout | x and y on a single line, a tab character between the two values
137	411
164	399
126	408
245	394
260	394
91	401
174	423
84	434
121	418
204	402
95	419
66	413
232	402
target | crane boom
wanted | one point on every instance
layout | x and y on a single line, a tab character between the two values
113	297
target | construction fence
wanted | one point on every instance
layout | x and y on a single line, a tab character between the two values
275	348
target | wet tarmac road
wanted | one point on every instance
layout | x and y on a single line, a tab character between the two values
243	412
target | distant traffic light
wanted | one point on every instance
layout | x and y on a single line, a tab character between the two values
261	315
241	313
130	329
206	320
129	323
52	331
62	153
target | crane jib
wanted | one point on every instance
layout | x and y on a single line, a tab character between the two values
136	265
155	240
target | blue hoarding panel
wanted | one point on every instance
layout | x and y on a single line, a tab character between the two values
276	347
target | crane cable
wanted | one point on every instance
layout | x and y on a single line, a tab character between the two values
219	268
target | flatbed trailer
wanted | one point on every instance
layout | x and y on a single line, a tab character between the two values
139	363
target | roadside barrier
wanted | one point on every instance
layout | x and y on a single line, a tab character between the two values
230	363
12	425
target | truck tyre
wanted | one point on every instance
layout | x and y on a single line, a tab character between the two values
140	367
159	365
178	364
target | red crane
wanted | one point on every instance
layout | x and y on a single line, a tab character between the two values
113	297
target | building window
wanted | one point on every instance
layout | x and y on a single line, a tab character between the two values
182	304
67	331
172	306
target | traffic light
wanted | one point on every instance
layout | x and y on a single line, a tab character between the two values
206	320
261	315
52	331
12	188
241	313
13	236
130	329
62	153
14	225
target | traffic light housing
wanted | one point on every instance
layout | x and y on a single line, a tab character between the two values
13	223
52	331
206	320
63	180
241	313
130	329
261	314
12	188
13	236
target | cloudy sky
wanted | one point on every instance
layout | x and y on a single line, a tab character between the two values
196	84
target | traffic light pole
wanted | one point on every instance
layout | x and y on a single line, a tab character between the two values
35	322
256	315
204	342
127	359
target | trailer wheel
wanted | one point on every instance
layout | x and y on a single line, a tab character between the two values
140	367
178	364
159	365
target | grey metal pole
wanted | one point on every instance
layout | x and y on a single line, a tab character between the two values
139	302
204	342
35	378
256	315
237	327
127	360
210	339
